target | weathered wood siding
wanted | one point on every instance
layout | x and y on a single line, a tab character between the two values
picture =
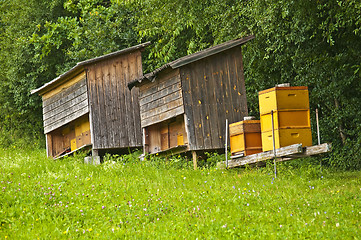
65	103
213	91
161	99
115	120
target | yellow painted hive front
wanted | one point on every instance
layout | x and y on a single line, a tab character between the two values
291	117
245	137
282	119
281	98
286	137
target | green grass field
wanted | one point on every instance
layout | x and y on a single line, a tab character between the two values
128	199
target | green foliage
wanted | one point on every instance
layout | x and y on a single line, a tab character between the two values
128	158
168	162
211	159
124	198
20	113
93	29
346	156
183	27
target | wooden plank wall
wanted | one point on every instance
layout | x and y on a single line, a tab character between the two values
213	90
162	99
114	109
65	103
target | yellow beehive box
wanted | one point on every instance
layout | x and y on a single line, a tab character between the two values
245	137
286	137
297	118
281	98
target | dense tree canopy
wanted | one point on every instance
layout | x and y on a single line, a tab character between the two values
312	43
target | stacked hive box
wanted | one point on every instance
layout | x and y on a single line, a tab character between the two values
245	137
291	117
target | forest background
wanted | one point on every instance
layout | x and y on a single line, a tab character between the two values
311	43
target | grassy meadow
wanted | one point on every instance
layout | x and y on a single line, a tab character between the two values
125	198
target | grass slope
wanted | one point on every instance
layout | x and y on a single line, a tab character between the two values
128	199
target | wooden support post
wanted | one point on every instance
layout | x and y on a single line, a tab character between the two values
318	129
95	157
274	144
226	145
194	156
49	145
318	136
95	152
145	150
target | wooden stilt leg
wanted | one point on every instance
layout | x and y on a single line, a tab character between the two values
194	155
95	156
95	152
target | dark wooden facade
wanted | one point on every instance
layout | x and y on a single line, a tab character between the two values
184	104
114	109
90	105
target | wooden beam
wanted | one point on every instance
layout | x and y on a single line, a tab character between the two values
49	145
194	156
283	154
263	156
95	152
309	151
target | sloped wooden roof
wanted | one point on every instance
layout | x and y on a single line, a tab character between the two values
192	58
79	67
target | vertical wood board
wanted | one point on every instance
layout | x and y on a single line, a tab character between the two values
116	109
210	89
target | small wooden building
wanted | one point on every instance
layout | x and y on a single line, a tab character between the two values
184	104
91	106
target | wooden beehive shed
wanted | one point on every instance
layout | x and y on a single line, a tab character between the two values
90	105
184	104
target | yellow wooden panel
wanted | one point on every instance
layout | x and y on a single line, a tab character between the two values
279	98
78	129
292	99
73	144
286	137
267	102
180	140
85	126
286	119
81	125
67	84
237	143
